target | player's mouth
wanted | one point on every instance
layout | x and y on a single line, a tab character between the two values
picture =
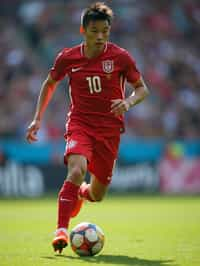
99	43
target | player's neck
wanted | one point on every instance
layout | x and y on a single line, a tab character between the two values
91	52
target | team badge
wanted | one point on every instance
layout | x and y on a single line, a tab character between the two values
108	66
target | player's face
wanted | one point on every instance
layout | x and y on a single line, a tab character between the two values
97	33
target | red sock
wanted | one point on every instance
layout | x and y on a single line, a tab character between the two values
67	199
84	192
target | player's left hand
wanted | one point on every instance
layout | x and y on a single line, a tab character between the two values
119	106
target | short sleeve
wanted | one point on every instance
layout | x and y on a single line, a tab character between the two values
130	70
59	69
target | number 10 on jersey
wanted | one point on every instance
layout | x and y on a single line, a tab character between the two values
94	84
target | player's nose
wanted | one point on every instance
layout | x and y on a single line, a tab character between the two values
99	36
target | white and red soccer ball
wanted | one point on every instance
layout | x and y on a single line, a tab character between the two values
86	239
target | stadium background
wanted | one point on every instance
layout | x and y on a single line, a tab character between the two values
161	148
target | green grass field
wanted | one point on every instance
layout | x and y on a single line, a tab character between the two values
140	231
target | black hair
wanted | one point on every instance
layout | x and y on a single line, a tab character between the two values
97	11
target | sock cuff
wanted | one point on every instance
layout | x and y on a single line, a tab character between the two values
69	188
61	229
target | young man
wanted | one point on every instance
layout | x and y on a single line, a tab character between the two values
97	71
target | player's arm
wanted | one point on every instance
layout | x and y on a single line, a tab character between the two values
48	87
140	91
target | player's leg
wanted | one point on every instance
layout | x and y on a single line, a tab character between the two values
68	195
101	166
95	191
67	199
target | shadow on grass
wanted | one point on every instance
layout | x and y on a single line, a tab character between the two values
116	260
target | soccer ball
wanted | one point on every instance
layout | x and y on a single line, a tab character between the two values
86	239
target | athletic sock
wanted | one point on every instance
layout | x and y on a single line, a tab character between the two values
61	229
67	199
84	192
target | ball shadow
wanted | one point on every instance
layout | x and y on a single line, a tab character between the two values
123	260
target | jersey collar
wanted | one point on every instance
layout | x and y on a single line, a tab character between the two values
82	48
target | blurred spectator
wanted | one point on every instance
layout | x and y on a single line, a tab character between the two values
157	33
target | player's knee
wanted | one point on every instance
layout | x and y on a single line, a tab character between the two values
76	174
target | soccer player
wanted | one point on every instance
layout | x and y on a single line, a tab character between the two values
97	71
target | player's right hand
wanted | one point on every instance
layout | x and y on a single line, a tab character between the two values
32	131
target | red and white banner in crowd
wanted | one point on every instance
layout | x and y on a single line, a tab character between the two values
180	175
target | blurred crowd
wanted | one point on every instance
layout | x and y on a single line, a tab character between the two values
163	36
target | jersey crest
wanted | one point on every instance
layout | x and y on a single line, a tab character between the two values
108	66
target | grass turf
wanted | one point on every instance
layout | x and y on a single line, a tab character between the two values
139	231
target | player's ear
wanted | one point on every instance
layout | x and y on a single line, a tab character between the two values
81	29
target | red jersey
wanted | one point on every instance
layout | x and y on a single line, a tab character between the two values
93	83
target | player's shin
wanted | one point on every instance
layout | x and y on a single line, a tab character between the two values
67	200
